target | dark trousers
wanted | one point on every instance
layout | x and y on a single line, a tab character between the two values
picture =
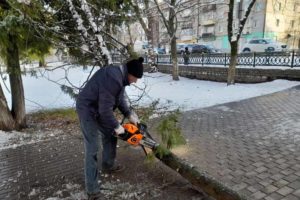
186	60
91	132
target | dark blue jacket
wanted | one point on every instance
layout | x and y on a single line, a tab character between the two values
102	94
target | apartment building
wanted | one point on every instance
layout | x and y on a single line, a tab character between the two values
205	22
275	19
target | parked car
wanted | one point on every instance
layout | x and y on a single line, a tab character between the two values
141	47
158	50
263	45
199	48
213	48
180	48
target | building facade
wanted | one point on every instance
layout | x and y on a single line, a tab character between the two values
206	22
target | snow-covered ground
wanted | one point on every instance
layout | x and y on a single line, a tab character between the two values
189	94
43	92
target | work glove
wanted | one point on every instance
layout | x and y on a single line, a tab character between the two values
133	118
119	130
121	133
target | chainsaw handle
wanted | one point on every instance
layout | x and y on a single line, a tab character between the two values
142	126
122	122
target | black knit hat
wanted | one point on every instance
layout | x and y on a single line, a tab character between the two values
135	67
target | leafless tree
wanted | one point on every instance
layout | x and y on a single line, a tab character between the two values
234	36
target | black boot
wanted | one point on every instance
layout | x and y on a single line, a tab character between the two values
96	196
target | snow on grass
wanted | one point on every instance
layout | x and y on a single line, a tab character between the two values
189	94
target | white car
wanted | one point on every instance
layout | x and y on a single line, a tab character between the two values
263	45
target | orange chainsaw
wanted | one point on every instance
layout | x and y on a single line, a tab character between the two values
138	135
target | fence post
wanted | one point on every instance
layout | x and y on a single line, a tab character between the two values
170	59
225	60
254	57
293	57
156	58
267	58
202	59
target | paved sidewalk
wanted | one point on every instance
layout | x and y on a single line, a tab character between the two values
252	145
35	171
53	170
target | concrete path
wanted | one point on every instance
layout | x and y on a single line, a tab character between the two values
251	145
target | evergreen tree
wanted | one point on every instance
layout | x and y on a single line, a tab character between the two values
20	35
83	28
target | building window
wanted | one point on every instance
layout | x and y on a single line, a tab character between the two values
186	25
210	29
296	7
277	6
277	22
292	23
255	23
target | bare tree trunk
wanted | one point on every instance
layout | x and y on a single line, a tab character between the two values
146	27
172	33
16	84
42	62
233	38
233	61
130	35
149	33
6	120
174	59
130	48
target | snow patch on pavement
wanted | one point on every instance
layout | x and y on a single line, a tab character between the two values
75	192
109	190
15	139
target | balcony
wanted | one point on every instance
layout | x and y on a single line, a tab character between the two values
208	22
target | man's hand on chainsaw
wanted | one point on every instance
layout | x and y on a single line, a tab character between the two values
134	119
119	130
135	135
138	135
121	133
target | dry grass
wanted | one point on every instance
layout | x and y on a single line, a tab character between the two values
68	114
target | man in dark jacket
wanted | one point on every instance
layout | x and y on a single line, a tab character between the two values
95	105
186	56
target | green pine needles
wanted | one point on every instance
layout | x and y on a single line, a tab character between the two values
170	132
